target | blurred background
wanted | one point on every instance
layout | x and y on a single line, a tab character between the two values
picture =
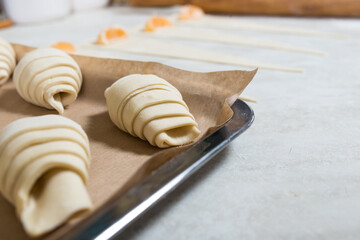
23	11
295	172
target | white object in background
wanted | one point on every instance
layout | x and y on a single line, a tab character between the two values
25	11
89	4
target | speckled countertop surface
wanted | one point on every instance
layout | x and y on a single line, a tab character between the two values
295	174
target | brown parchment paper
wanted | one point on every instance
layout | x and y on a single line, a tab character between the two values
119	160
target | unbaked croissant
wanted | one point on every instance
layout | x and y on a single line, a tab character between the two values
152	109
49	78
44	165
7	60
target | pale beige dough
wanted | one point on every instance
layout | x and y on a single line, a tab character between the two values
198	34
157	111
141	45
223	22
44	164
142	94
172	131
7	61
152	109
144	100
48	78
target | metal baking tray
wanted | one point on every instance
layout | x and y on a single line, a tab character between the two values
121	212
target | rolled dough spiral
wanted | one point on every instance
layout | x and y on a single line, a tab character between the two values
44	165
49	78
152	109
7	60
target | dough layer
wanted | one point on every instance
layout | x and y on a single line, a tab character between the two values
155	47
49	78
44	165
7	61
150	108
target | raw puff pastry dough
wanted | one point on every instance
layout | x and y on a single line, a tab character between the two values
43	170
152	109
49	78
7	61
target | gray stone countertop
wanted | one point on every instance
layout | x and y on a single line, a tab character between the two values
295	174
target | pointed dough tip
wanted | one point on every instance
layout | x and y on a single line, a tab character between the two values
280	68
247	98
55	102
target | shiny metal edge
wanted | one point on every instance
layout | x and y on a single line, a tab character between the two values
120	213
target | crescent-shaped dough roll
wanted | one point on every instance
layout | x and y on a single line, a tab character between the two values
7	61
49	78
44	164
150	108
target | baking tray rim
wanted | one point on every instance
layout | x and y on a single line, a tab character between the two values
120	212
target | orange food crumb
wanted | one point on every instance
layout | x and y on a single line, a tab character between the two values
111	35
65	46
189	12
157	22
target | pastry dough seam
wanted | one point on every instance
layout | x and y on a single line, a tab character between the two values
5	144
69	64
43	80
41	97
43	70
164	116
160	101
171	128
21	200
128	97
123	104
10	187
39	128
10	160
